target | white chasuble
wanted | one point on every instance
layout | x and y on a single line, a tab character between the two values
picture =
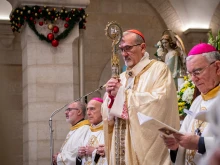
190	125
147	88
95	138
73	141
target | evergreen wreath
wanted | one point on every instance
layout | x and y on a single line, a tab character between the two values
45	15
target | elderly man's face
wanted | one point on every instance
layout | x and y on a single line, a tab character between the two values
72	113
131	51
94	112
209	73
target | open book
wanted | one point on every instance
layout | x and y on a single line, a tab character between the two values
155	124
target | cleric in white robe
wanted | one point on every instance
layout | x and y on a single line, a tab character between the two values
75	114
92	151
203	66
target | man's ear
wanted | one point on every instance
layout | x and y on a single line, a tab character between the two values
79	112
217	63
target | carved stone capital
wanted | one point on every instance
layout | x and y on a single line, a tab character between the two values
195	36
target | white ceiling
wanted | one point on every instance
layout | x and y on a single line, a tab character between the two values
5	9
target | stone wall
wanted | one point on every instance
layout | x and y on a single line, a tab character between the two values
137	14
11	128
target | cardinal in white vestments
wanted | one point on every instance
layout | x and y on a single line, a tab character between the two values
92	151
75	114
147	87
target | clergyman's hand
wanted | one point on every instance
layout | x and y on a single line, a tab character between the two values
89	150
55	158
170	142
112	86
188	141
81	151
101	150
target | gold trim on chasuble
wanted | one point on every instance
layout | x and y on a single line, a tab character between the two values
120	124
137	78
93	142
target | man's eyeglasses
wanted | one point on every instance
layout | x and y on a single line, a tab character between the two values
198	71
127	48
70	109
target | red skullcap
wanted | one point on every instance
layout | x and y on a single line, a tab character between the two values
201	48
97	99
136	32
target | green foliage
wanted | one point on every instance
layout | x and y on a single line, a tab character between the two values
214	41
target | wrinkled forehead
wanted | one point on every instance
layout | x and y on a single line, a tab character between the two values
94	103
73	105
196	62
127	39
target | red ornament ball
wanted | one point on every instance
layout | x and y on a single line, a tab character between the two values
67	19
50	36
41	23
55	29
66	25
55	43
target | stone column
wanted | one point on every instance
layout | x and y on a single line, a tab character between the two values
50	80
196	36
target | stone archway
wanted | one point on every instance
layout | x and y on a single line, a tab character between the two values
167	13
215	21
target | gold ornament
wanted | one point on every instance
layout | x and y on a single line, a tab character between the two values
21	12
65	11
47	10
35	14
50	26
61	11
54	9
49	13
29	12
24	8
19	18
17	11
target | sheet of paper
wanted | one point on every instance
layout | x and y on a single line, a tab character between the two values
201	115
155	124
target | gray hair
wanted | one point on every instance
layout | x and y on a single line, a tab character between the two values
81	106
138	39
210	57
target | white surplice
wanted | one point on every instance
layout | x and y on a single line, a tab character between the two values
189	125
73	141
94	138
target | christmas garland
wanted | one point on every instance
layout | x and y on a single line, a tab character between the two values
48	16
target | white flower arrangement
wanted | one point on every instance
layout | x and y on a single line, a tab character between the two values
160	52
185	95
